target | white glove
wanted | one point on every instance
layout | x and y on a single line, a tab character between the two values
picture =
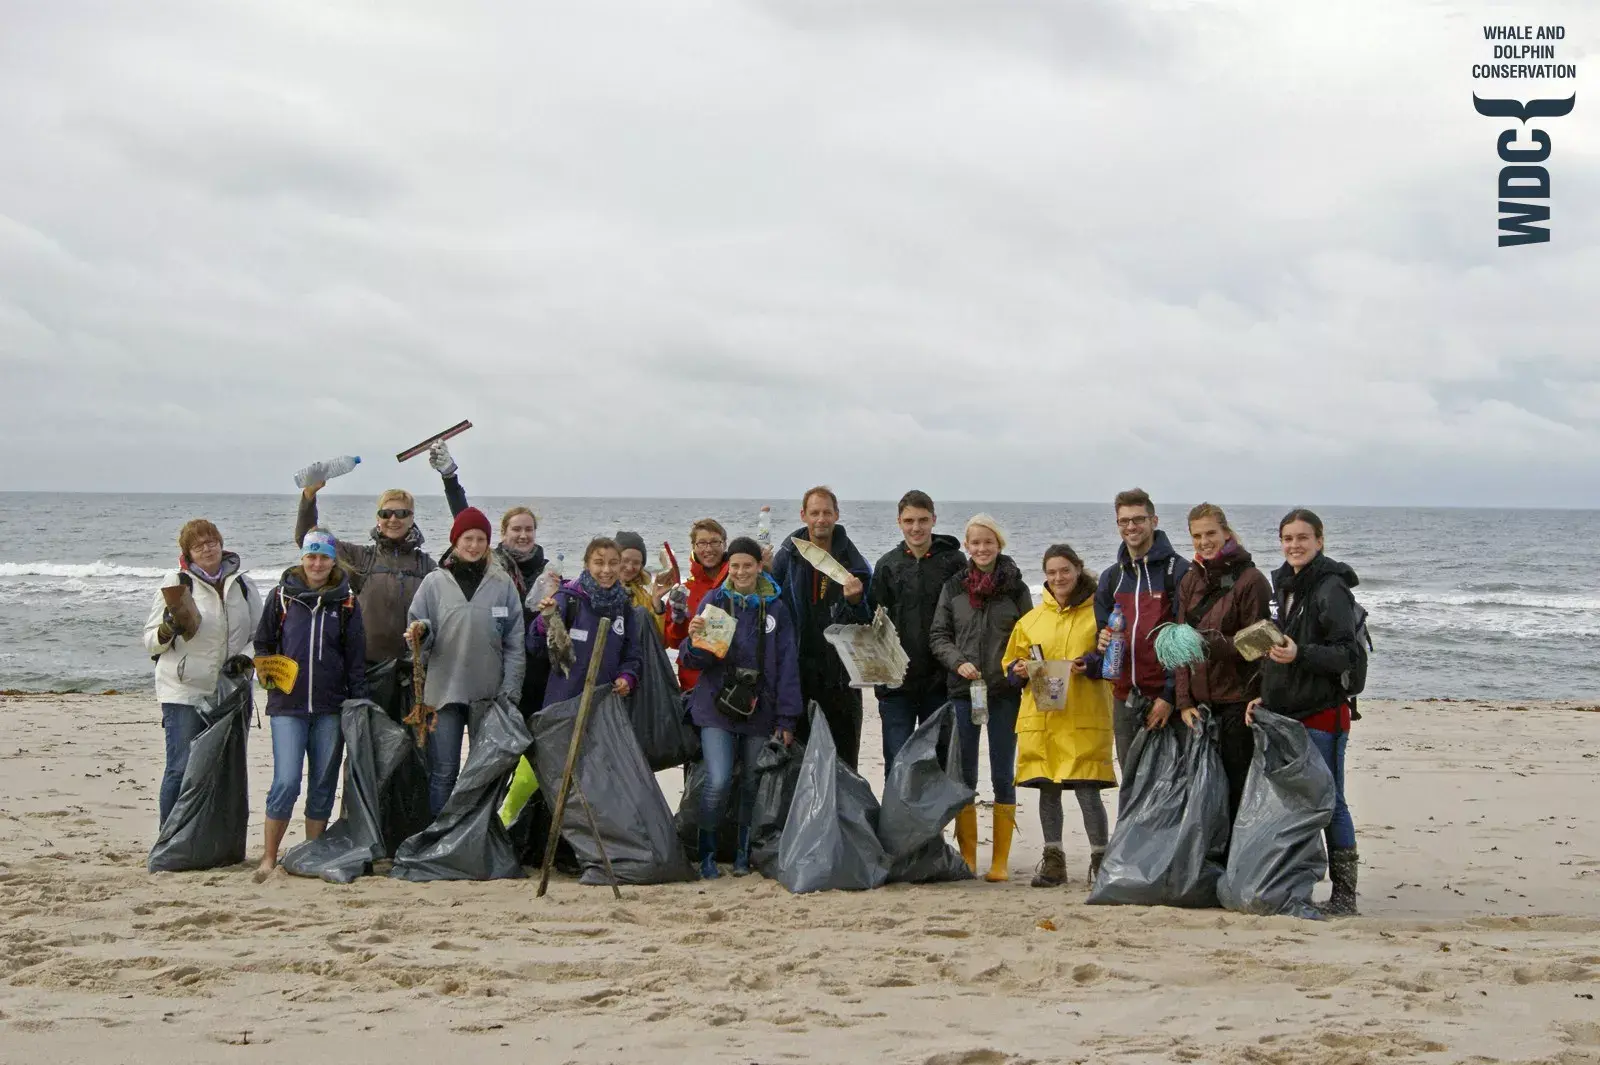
439	458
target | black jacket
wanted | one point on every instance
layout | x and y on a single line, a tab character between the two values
962	634
798	581
1317	611
908	589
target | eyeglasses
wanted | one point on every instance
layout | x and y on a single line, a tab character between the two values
394	513
205	545
709	543
1131	523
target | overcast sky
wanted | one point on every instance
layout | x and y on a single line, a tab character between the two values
1025	251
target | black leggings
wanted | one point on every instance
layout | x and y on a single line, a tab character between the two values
1236	744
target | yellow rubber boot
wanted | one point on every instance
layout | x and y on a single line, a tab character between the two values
967	837
1005	826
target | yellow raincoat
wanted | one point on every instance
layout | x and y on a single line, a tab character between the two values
1073	745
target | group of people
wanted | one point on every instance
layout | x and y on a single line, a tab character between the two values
480	619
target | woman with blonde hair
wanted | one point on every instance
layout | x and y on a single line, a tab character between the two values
1070	748
978	607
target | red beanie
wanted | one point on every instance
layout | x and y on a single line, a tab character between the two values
471	518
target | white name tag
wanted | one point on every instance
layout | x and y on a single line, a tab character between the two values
580	635
498	611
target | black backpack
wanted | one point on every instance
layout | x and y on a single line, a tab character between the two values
1354	679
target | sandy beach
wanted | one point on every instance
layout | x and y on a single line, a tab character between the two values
1480	940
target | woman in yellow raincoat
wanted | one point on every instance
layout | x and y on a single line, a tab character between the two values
1069	748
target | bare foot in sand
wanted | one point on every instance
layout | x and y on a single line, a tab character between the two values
264	870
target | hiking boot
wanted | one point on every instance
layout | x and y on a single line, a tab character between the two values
1052	868
1342	865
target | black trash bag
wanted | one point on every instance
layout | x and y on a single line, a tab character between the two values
777	775
687	818
1276	857
375	747
923	794
656	708
1172	822
467	841
403	805
831	839
206	827
634	819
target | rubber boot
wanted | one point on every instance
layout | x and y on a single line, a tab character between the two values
1342	865
1005	826
967	837
1053	869
741	856
708	856
1096	856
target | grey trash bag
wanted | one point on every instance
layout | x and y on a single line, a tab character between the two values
777	775
375	747
403	808
923	794
634	819
831	839
665	734
1172	822
207	825
687	818
467	841
1276	857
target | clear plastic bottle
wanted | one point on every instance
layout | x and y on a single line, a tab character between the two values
980	701
326	470
1117	649
764	527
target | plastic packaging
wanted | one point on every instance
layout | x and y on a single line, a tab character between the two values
1276	858
1117	649
678	604
1171	837
545	584
764	527
980	701
720	629
326	470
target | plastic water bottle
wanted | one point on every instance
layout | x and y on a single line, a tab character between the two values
326	470
764	527
1117	649
980	702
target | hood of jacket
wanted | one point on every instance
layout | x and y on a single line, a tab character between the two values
293	586
1082	592
1160	551
767	591
1286	582
225	569
841	540
943	544
1232	559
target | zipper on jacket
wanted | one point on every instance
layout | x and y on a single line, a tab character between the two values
311	659
1133	629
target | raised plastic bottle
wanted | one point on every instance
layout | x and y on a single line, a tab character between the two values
764	527
1117	649
326	470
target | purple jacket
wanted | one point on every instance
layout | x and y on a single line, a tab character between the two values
322	631
622	645
780	669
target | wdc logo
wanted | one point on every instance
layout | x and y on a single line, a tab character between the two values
1524	179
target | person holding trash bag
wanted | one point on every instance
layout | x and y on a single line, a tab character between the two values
645	592
598	597
746	695
467	618
972	624
1305	678
211	624
1222	593
1064	736
708	568
313	618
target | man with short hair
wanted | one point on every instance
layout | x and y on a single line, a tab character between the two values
906	583
816	602
708	568
1144	582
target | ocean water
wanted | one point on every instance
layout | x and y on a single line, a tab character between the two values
1464	603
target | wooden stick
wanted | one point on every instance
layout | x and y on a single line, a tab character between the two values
594	827
578	725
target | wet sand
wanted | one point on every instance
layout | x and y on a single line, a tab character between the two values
1480	939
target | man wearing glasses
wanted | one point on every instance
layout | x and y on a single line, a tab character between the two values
708	542
1144	582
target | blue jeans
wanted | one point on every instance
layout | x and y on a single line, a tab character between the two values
901	713
182	724
722	748
1331	745
1002	728
444	754
314	743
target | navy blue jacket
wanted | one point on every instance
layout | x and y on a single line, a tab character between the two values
780	665
820	667
622	646
322	631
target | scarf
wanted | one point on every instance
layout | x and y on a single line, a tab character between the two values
766	590
982	587
607	602
411	541
518	556
468	574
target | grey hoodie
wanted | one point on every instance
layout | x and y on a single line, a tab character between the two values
473	649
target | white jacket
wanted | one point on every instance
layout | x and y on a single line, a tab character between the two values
187	670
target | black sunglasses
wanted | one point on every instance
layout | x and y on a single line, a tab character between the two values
394	513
